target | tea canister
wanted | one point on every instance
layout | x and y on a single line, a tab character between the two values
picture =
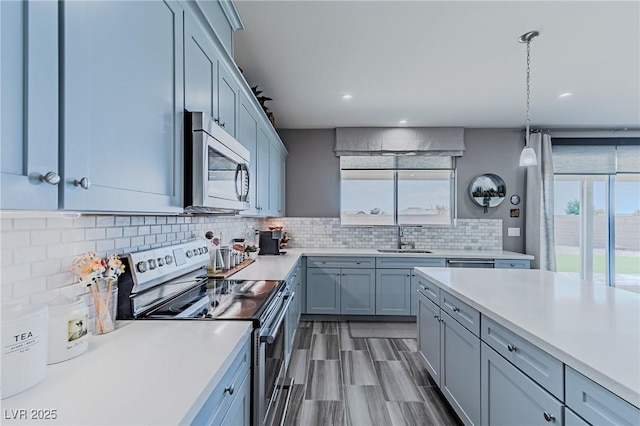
24	347
68	335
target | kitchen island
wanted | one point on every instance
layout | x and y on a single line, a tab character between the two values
144	372
593	330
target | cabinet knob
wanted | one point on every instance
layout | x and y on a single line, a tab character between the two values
230	391
83	183
511	347
456	309
222	124
409	275
440	320
549	417
435	316
52	178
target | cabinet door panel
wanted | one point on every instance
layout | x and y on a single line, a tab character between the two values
460	380
323	291
262	172
393	292
240	409
248	137
123	105
358	289
29	104
227	100
429	335
274	179
509	397
200	71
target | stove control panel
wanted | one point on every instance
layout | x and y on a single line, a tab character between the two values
160	264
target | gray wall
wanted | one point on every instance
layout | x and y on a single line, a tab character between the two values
313	175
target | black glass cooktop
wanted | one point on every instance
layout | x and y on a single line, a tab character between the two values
220	299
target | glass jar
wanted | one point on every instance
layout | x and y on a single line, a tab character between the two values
68	325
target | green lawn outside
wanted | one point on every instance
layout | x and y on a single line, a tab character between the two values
624	264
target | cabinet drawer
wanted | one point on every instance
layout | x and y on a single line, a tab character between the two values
512	264
596	404
341	262
546	370
223	394
408	262
461	312
431	291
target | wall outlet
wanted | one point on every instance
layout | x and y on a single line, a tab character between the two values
513	232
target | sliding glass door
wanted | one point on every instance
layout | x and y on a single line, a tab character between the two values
626	257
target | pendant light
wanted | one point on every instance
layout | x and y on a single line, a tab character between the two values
528	155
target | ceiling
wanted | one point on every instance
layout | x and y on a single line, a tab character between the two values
443	63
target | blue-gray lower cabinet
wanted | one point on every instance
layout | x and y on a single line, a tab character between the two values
460	370
512	264
340	291
393	291
323	290
358	292
429	335
572	419
509	397
229	403
596	404
239	413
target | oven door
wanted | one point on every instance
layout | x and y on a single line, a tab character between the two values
271	369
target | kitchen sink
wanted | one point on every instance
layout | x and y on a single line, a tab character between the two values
403	251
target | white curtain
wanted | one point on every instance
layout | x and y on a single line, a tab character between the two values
539	205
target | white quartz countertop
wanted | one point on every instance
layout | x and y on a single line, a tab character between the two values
594	329
142	373
269	267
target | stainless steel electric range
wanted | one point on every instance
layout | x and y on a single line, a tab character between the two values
170	283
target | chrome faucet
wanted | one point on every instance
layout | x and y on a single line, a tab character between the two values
401	244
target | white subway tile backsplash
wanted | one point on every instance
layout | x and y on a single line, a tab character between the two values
59	223
28	254
114	232
121	243
95	234
72	235
104	246
85	222
156	229
29	223
6	257
15	273
150	239
171	220
44	268
82	247
123	221
26	288
149	220
13	239
144	230
6	224
137	220
58	251
137	241
105	221
44	237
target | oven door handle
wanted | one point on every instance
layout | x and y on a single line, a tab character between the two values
270	333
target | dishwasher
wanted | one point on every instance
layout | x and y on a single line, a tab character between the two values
470	263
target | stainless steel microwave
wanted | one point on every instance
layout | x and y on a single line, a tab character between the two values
216	168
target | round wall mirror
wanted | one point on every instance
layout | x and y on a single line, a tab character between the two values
487	190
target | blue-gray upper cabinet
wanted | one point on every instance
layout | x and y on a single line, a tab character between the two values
123	92
276	178
262	172
323	290
509	397
29	111
248	137
227	100
200	70
393	291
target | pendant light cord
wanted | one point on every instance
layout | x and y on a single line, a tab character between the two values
528	89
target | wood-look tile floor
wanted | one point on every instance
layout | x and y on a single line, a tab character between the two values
340	381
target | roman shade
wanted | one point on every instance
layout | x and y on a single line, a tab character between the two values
358	141
596	159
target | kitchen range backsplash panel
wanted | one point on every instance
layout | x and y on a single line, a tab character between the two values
37	252
468	234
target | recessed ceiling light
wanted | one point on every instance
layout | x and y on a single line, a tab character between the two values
565	94
347	96
403	121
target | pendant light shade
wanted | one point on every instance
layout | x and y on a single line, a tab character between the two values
528	155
